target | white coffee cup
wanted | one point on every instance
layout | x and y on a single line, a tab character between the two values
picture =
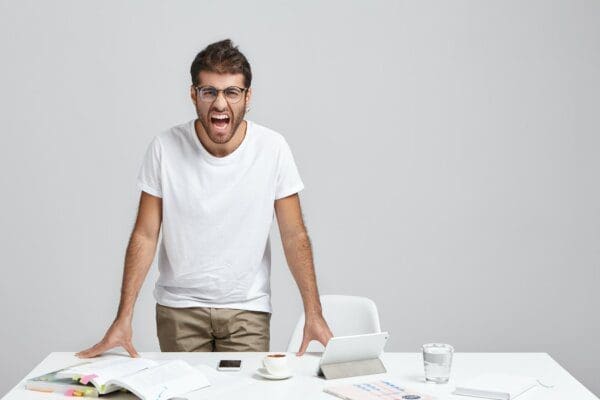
276	364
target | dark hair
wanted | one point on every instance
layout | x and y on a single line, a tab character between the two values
223	58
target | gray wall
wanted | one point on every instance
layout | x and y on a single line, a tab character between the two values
449	151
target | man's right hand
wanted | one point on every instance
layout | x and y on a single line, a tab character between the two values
119	334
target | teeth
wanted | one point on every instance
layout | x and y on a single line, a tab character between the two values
220	116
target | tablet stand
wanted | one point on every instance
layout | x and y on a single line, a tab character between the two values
352	368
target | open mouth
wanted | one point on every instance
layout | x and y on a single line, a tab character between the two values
220	122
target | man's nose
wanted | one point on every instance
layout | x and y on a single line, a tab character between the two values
220	102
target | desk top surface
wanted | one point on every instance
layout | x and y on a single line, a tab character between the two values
403	368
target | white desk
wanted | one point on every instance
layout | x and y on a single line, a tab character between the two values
406	368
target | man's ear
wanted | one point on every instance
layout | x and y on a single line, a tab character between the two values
193	94
248	96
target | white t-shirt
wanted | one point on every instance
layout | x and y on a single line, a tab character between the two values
217	215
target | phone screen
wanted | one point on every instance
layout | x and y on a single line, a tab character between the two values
230	363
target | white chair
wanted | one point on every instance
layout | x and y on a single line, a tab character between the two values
345	315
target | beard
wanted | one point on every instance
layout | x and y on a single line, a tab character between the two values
222	137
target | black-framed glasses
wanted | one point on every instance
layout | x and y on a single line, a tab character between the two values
208	94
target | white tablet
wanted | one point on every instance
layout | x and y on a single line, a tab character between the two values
341	349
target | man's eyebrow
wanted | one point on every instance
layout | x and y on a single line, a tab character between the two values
212	87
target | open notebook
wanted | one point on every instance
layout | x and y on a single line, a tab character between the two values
147	379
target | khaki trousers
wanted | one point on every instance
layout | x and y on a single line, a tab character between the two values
212	329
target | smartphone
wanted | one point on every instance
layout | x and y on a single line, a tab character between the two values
230	365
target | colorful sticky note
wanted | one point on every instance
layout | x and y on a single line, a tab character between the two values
86	378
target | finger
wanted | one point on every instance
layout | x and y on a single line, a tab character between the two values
303	346
130	349
82	353
93	351
86	353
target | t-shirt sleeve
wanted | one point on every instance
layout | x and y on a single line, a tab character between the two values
148	179
288	177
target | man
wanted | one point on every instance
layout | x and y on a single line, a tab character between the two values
215	184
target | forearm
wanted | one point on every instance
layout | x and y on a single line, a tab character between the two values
138	258
298	253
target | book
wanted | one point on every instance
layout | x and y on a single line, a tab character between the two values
375	390
145	378
49	383
496	386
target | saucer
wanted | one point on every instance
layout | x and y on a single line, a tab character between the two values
266	374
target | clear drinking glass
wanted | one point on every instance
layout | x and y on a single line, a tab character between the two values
437	358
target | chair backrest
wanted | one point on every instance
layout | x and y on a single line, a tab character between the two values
345	315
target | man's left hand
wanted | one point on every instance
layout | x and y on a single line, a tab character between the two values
315	328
